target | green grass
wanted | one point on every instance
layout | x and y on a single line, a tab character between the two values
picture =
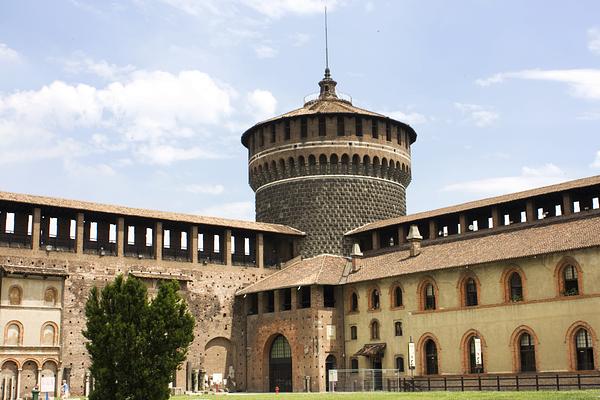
546	395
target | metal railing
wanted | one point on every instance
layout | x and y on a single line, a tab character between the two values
392	380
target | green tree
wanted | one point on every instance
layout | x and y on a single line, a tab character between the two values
136	345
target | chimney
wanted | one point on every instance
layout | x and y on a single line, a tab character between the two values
356	255
414	238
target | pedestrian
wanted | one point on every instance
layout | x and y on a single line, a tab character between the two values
64	390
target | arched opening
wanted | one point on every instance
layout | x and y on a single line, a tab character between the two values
48	334
355	163
49	369
323	163
29	376
526	353
374	303
218	358
345	161
333	161
429	294
330	363
431	358
584	350
397	297
470	292
13	334
353	302
280	365
475	355
570	281
374	330
515	287
8	379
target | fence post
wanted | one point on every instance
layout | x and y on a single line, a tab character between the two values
579	381
537	383
498	382
557	383
479	381
429	384
517	382
462	383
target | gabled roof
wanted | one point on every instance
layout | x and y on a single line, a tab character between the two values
324	269
575	184
143	213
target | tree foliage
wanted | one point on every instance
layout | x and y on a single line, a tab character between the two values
135	344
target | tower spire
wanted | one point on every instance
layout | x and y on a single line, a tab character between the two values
327	73
327	84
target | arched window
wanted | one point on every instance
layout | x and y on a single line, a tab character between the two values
50	296
15	295
400	363
353	302
398	328
570	281
475	355
374	330
397	297
353	332
515	287
585	350
526	353
429	294
48	335
13	334
374	299
431	358
470	292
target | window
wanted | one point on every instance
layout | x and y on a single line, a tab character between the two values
50	297
353	332
252	304
397	297
353	302
374	330
341	129
429	297
303	128
515	287
304	297
570	284
431	358
359	126
322	127
273	133
400	363
287	130
286	299
470	292
15	295
526	353
399	136
585	350
269	300
398	328
329	296
388	131
13	334
354	363
474	367
48	337
374	131
375	299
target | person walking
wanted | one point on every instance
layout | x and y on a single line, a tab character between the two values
64	390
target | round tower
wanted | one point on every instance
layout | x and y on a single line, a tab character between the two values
329	167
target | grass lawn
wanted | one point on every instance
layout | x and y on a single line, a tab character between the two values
546	395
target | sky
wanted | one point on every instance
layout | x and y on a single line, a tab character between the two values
143	102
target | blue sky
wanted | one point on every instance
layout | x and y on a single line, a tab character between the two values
142	103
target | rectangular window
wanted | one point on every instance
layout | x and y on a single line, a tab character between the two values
10	223
388	131
322	127
595	203
399	136
273	134
131	235
201	241
398	328
353	332
359	126
400	364
354	365
374	129
247	246
287	130
93	231
30	225
304	297
53	227
523	216
576	207
72	229
149	238
167	239
184	241
112	233
233	245
216	244
303	128
341	129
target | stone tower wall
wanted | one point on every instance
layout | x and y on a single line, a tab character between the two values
328	206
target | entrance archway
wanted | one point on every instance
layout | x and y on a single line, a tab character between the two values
280	365
330	363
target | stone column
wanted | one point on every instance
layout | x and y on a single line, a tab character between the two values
261	302
157	241
401	234
18	394
193	243
294	298
495	217
529	211
432	229
120	237
462	220
79	233
567	204
375	239
260	250
227	247
36	228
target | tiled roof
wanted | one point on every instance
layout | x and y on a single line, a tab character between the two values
562	234
579	183
323	269
138	212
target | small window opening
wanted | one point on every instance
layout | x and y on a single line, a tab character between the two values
167	239
374	129
273	133
398	328
184	241
93	231
595	203
329	296
112	233
72	229
359	126
247	246
216	244
576	207
322	127
353	332
523	216
303	128
305	297
201	241
341	130
10	223
149	237
30	225
287	130
131	235
232	244
388	131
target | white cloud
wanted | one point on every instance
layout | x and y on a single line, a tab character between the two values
8	55
411	118
280	8
102	69
369	6
300	39
481	116
584	83
596	162
261	104
236	210
265	51
529	178
594	40
196	188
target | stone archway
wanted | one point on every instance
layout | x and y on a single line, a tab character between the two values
50	369
280	365
29	376
8	380
330	363
219	359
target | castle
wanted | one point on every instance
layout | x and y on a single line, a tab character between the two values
333	275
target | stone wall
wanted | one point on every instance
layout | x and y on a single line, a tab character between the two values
325	207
